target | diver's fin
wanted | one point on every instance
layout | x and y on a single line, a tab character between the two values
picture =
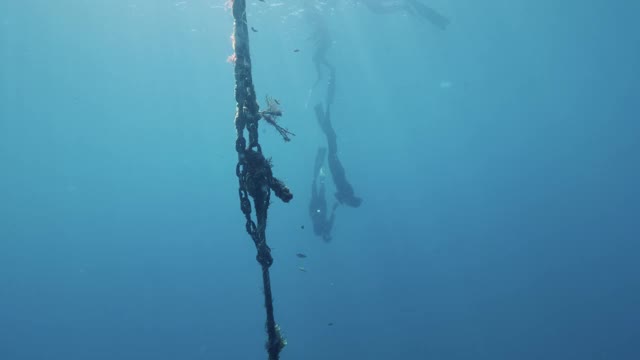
431	15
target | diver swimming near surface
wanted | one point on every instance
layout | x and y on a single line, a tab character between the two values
413	7
321	37
318	205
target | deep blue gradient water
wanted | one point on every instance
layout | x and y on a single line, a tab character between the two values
498	162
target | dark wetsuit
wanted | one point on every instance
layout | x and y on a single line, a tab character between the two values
413	7
344	190
318	204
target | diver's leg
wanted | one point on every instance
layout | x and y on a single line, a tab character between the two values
320	58
331	86
337	170
318	70
325	125
332	138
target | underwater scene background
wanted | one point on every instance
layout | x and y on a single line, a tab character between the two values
497	160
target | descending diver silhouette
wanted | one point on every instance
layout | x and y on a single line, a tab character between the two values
318	204
413	7
344	191
323	220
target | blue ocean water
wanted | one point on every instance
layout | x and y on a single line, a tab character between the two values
497	160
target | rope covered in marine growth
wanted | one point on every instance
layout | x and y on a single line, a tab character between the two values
253	169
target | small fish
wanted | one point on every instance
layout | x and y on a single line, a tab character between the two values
330	324
302	269
302	227
253	29
276	101
296	50
301	255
